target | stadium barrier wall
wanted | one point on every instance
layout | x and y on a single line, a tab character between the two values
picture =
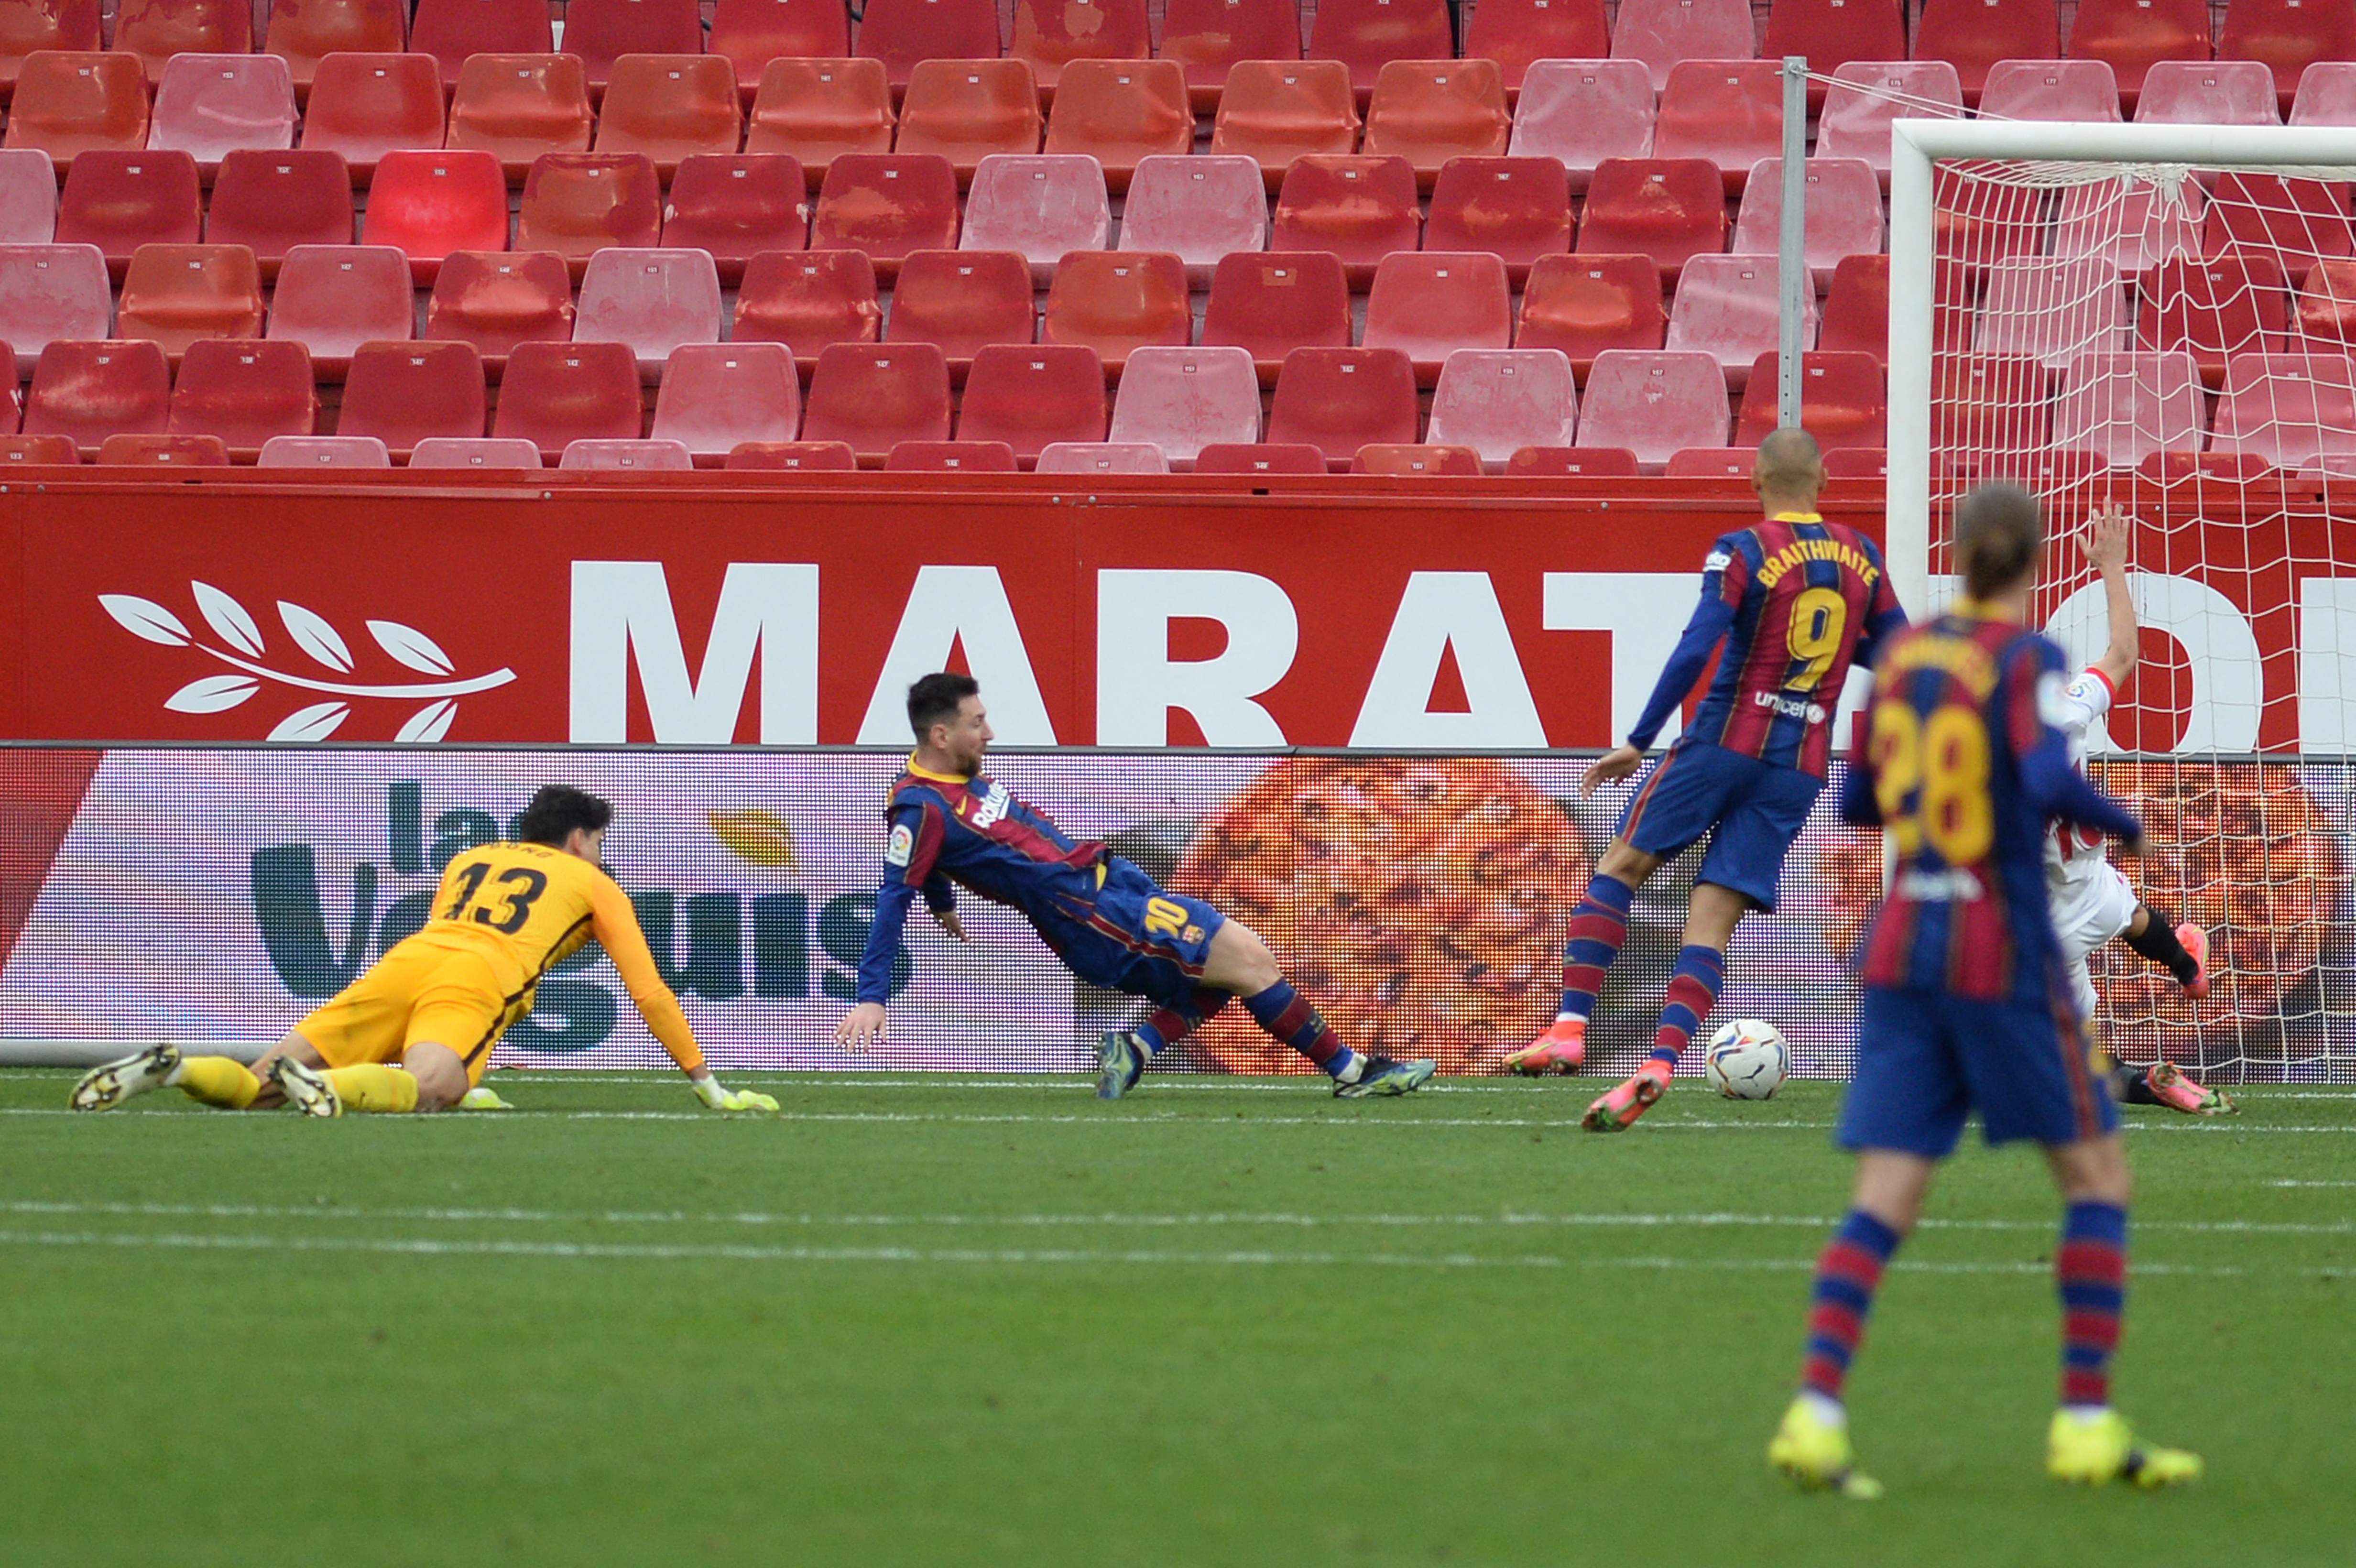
1422	901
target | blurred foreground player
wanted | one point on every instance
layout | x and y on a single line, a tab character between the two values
2093	902
1966	1003
1796	601
437	1001
1108	921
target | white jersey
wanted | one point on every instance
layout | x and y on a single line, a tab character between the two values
2073	856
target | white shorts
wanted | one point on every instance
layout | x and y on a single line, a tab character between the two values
2085	915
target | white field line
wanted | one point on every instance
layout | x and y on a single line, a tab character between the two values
1507	1220
2292	1181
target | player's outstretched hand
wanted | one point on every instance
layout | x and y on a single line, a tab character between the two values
946	919
1610	768
862	1027
2108	529
719	1098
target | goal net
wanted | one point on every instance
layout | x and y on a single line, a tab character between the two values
2164	316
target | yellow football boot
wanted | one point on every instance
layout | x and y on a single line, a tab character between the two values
1817	1454
2089	1451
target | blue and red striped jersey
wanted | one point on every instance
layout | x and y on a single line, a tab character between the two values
1797	601
1964	766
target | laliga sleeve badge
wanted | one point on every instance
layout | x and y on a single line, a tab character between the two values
902	845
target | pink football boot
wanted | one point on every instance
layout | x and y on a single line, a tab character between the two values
1560	1049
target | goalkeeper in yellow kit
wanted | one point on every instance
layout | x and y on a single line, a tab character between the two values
415	1032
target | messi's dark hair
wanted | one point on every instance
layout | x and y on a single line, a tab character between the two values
556	810
935	700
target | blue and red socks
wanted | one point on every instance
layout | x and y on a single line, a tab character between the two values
1288	1016
1165	1026
1848	1271
1693	991
2090	1271
1598	927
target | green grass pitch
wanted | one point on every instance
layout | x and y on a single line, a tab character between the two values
948	1321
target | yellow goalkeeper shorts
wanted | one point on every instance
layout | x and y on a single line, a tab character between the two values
416	995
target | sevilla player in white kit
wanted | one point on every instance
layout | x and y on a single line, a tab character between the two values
2093	902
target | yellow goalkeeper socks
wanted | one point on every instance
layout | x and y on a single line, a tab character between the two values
217	1080
374	1088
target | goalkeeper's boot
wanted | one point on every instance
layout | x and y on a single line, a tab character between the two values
1119	1059
1618	1111
306	1089
1381	1075
2172	1089
1815	1454
1560	1049
2090	1450
103	1088
2195	941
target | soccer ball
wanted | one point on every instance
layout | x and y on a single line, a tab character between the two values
1748	1059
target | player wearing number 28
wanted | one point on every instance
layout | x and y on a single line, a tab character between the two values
1794	601
415	1032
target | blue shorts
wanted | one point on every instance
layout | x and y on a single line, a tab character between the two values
1756	809
1137	938
1926	1060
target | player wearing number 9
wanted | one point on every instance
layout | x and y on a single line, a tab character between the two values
437	1001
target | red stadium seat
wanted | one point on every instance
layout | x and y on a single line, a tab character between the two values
179	293
1121	112
1516	209
558	393
2052	311
876	397
325	452
2050	89
1583	111
1654	404
1661	33
333	298
807	456
2130	35
820	109
2326	94
1028	396
495	300
272	202
68	104
1857	462
576	204
2133	224
27	26
1867	95
1197	208
1856	308
1834	33
737	206
901	32
2288	408
717	396
155	30
1978	224
475	451
1711	463
364	106
1102	457
961	302
2287	36
809	301
1729	112
2325	311
49	293
90	390
430	204
1498	401
2216	310
519	106
1518	33
967	109
1042	205
2209	92
1429	112
119	201
1843	204
1585	305
1996	405
1051	34
1430	304
1729	307
1367	35
2297	220
1573	462
1843	400
602	31
749	34
1972	34
1273	301
1360	209
1410	460
244	393
626	456
304	32
2124	407
1184	400
209	105
670	107
178	450
652	301
1208	37
2210	469
28	196
1667	208
951	457
1339	399
1277	457
1117	301
450	30
1277	111
887	207
403	393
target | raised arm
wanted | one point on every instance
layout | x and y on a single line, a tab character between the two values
615	925
2059	791
2105	541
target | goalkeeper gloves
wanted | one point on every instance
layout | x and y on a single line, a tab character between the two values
714	1097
